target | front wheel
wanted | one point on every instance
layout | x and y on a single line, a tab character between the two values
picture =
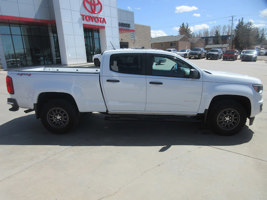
227	117
59	116
96	62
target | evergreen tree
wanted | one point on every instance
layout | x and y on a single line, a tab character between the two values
246	35
185	30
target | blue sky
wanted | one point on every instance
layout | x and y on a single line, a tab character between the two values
164	16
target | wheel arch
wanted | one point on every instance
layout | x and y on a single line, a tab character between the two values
46	96
242	100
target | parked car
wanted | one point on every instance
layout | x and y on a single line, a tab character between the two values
172	50
184	53
197	53
214	54
249	55
97	59
230	54
263	52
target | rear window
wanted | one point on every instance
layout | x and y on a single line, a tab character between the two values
126	63
229	52
196	49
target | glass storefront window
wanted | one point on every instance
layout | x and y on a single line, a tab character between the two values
92	43
28	45
15	30
9	50
4	29
25	30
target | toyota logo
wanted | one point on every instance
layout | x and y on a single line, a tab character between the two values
93	6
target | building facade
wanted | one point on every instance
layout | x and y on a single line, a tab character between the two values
140	38
45	32
165	42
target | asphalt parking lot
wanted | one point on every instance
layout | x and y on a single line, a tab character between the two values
133	160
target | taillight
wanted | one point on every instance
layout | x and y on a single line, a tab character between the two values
9	85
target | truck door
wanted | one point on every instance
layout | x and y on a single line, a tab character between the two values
124	86
170	90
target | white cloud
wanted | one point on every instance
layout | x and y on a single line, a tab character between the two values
137	8
199	27
251	20
262	21
181	9
263	13
196	15
176	28
129	8
157	33
260	25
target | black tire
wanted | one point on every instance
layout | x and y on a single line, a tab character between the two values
96	62
59	116
227	117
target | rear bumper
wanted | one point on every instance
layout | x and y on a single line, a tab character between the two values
13	103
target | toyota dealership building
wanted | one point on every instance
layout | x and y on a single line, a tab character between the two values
46	32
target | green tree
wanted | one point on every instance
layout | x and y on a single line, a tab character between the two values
262	38
246	35
185	30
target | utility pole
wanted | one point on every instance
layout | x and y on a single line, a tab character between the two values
232	24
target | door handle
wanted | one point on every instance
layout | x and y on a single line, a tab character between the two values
155	83
113	81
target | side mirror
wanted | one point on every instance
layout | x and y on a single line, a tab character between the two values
194	74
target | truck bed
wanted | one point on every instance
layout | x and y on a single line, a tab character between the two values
79	82
59	69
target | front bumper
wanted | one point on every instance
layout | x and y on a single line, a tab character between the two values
257	109
248	58
212	56
228	57
194	55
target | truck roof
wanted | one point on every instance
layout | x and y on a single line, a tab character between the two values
157	51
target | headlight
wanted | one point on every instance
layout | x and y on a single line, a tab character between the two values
258	88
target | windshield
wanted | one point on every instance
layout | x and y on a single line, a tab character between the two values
214	50
196	49
229	52
249	52
183	50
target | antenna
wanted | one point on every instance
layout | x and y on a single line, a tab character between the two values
112	46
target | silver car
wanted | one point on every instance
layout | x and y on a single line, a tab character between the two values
184	53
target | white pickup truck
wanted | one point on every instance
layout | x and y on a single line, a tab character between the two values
136	83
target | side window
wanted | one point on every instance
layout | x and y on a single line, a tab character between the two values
126	63
170	67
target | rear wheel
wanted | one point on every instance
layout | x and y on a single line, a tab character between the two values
59	116
227	117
